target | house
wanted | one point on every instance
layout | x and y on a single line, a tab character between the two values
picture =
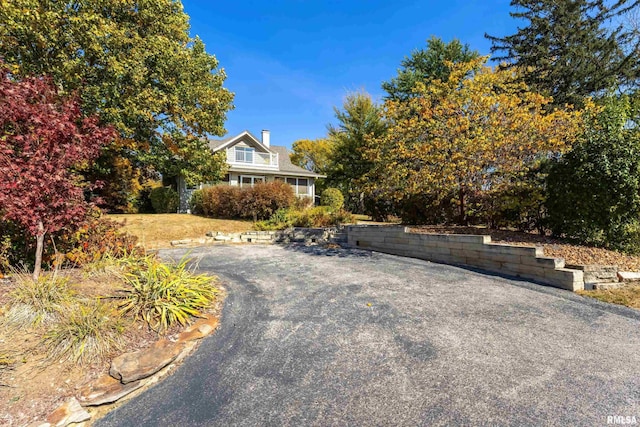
252	160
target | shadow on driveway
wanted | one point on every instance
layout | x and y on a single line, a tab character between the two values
318	336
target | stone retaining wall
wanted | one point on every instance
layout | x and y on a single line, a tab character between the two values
468	250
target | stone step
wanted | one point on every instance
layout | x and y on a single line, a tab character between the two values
604	286
629	276
597	273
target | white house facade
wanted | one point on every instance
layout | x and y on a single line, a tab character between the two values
251	160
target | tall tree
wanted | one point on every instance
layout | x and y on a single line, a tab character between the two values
569	49
312	155
133	63
464	135
43	137
593	190
359	122
425	65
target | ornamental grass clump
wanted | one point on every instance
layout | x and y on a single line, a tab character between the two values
37	302
163	294
87	332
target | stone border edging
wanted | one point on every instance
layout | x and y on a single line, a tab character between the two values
109	389
468	250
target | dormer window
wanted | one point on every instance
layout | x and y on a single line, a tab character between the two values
244	154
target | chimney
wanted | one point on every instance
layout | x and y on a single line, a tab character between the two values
266	137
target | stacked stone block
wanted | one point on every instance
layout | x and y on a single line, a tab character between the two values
468	250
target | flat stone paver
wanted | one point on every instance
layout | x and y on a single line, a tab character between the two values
347	337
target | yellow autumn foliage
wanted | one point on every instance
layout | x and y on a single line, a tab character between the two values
463	134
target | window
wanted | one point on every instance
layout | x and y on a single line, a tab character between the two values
249	180
300	186
303	186
244	154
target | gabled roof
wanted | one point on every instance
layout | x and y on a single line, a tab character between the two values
217	145
285	165
284	161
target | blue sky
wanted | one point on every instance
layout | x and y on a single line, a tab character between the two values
289	62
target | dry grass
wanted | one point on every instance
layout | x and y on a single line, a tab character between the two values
629	296
31	384
158	230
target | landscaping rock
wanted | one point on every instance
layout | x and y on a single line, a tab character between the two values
105	389
594	273
199	329
140	364
38	424
629	276
605	286
69	412
181	242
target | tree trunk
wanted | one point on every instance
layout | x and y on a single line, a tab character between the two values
39	250
463	217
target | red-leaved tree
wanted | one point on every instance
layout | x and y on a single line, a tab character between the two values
42	137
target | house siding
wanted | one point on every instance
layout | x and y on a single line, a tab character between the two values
279	166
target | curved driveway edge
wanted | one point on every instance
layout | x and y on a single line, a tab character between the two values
311	336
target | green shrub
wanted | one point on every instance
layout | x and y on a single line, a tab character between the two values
142	202
333	198
592	191
281	219
163	294
196	204
342	217
164	200
321	216
87	332
35	303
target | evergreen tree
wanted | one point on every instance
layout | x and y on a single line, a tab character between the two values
425	65
592	191
570	50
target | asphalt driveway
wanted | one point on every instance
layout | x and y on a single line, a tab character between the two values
348	337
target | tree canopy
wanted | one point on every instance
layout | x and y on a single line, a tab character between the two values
312	155
424	65
593	189
465	134
131	62
43	138
359	121
570	49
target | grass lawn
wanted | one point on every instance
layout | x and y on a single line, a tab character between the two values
158	230
629	296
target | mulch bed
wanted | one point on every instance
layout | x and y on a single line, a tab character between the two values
557	248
